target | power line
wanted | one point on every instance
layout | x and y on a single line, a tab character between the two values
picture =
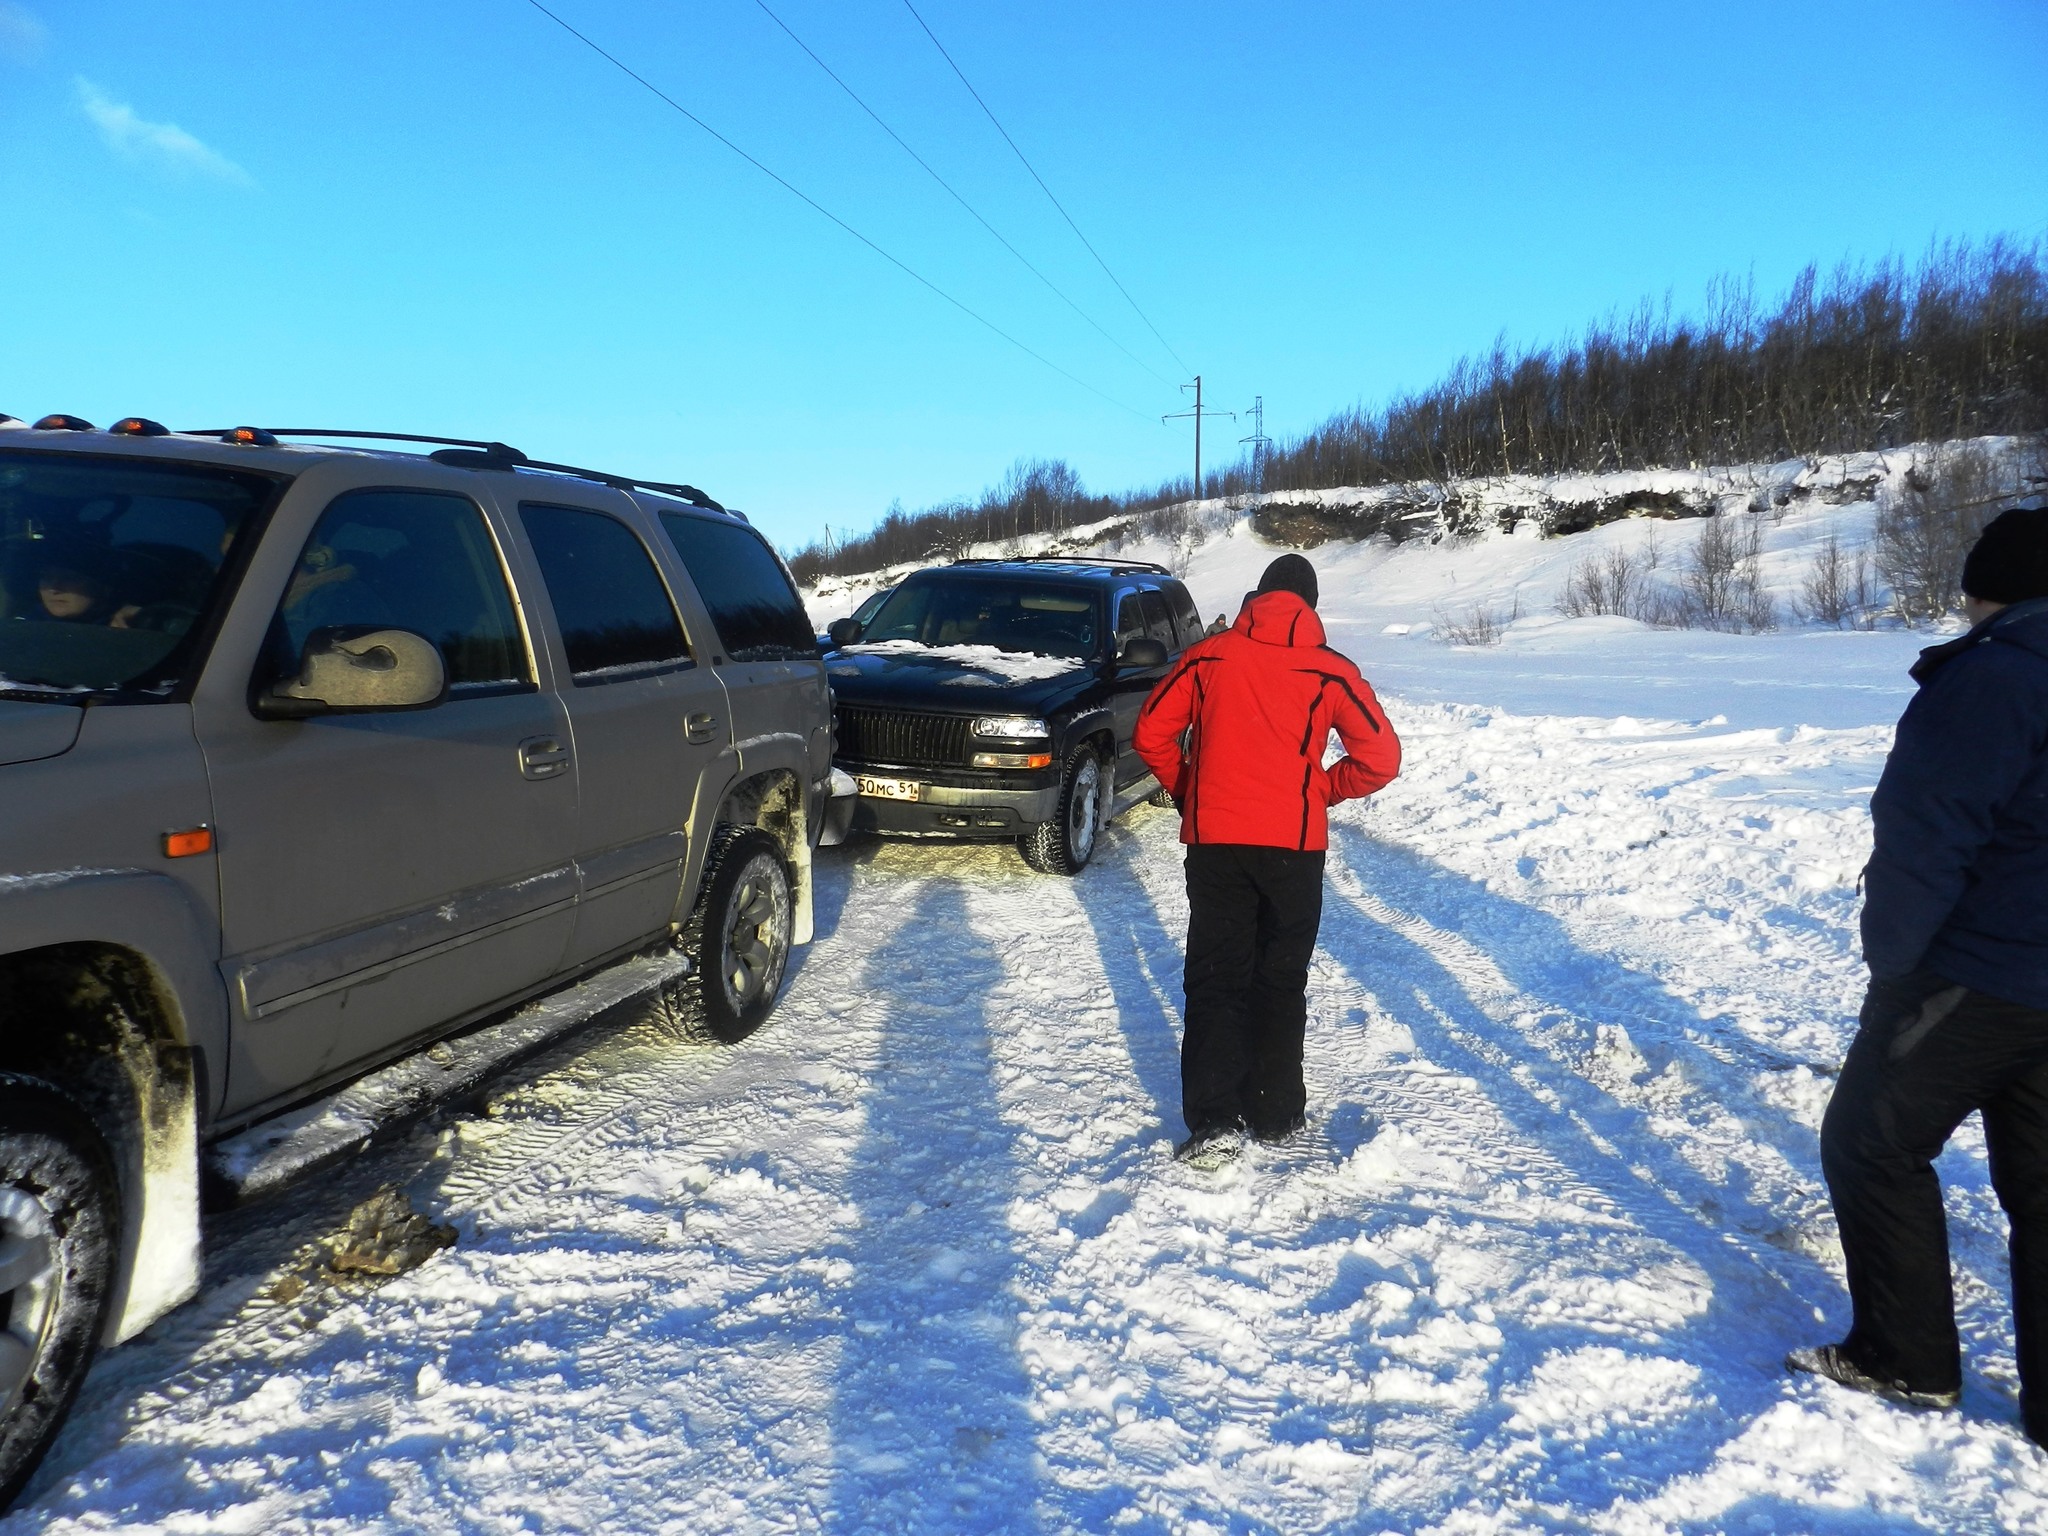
1120	288
955	195
818	207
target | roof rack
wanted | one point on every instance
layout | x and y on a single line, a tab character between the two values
1115	567
472	453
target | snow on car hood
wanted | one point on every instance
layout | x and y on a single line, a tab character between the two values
31	731
986	666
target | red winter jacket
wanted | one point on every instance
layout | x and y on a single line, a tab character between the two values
1262	699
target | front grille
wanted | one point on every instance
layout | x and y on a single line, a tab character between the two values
897	736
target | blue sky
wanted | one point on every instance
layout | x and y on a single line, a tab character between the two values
454	217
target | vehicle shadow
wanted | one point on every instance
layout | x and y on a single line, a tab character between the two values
930	1425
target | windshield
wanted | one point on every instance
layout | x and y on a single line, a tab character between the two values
1012	616
106	567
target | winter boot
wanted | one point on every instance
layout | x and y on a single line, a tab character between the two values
1285	1130
1206	1151
1829	1361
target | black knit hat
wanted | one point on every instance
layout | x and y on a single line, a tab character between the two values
1291	573
2010	561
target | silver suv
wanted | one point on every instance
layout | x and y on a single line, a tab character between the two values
311	756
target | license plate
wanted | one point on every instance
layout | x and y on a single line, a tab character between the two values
887	789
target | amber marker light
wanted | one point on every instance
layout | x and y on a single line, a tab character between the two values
188	843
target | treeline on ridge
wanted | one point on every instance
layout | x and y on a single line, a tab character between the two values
1859	358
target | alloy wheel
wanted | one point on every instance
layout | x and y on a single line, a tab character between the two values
28	1289
756	940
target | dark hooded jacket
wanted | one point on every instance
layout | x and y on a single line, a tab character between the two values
1238	729
1958	881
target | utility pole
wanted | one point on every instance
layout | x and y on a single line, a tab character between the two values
1260	443
1198	413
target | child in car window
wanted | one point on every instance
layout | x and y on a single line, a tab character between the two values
75	597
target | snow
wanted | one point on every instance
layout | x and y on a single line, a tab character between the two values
915	1256
988	666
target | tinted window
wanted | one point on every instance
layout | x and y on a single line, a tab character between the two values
1130	619
614	611
1185	613
106	568
1050	620
750	597
417	560
1157	623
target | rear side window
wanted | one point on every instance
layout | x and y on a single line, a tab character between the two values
758	614
1185	613
616	616
418	560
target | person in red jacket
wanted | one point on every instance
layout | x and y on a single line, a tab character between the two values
1237	732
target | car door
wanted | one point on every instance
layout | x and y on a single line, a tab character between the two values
1142	612
767	655
382	874
648	721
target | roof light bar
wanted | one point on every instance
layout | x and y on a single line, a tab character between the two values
60	423
139	426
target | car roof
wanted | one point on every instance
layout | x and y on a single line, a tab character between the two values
1055	567
280	457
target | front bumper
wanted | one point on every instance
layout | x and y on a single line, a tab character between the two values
954	810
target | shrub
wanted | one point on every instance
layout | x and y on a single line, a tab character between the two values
1720	586
1837	588
1927	521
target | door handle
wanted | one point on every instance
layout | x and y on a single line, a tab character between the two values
700	727
542	757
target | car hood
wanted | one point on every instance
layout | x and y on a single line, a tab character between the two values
976	678
30	731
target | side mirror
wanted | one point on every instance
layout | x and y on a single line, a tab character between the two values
345	671
1141	652
844	631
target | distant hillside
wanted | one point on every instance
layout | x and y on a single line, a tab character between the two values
1857	360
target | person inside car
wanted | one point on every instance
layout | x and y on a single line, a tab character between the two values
74	596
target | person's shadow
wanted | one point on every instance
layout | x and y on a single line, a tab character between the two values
930	1425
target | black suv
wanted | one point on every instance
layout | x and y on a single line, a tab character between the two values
995	699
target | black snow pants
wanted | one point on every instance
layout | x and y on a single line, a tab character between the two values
1927	1053
1252	919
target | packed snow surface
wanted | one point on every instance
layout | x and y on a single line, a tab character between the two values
915	1256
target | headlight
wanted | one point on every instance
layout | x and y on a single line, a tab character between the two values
1012	728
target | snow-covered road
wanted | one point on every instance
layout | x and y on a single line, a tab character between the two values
915	1257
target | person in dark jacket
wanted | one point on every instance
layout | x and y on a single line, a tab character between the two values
1955	932
1237	733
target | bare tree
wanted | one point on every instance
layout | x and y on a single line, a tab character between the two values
1721	584
1837	587
1612	580
1928	519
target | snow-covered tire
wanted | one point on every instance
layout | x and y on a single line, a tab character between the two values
59	1226
1064	845
738	938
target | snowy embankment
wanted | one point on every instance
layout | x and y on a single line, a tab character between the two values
915	1257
